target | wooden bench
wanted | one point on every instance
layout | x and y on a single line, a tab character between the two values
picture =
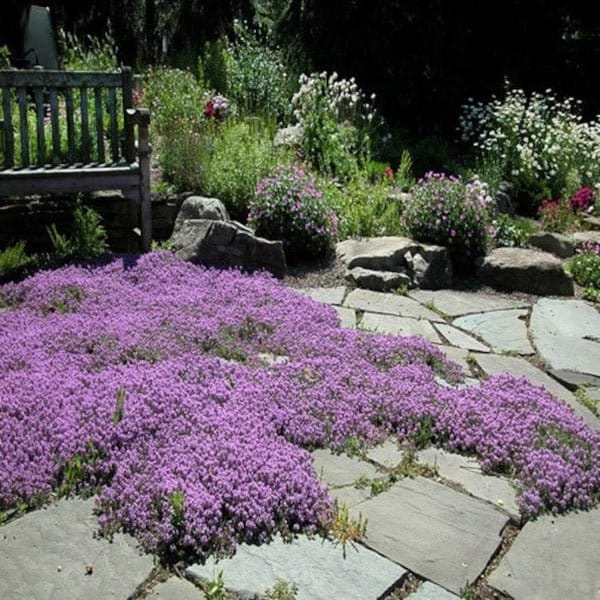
49	146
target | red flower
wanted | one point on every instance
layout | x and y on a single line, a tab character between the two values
389	172
209	109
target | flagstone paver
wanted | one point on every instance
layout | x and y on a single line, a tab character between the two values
336	470
347	317
400	326
387	454
326	295
391	304
434	531
503	330
316	566
460	339
553	558
44	555
467	472
176	589
458	355
566	334
455	303
492	364
430	591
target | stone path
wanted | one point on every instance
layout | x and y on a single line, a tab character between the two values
450	526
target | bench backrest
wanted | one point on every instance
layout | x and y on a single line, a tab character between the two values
65	118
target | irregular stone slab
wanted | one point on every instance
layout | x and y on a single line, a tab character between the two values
503	330
400	326
384	253
44	555
430	591
387	454
459	356
227	244
553	558
347	317
336	470
438	533
458	338
555	243
525	270
592	222
467	472
200	207
316	566
350	496
492	364
455	303
390	304
325	295
573	379
581	237
379	281
566	334
430	266
176	589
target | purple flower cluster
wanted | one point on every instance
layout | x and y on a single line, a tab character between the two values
149	380
582	200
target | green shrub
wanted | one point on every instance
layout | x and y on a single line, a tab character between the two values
557	216
241	154
87	53
4	57
364	208
289	206
540	143
447	211
585	268
513	233
257	80
13	260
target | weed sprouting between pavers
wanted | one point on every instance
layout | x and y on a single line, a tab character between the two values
151	390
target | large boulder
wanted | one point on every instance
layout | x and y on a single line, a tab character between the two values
525	270
200	207
555	243
227	244
398	259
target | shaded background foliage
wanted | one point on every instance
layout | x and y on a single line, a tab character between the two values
422	57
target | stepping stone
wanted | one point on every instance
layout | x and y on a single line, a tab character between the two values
504	330
44	555
573	379
384	253
379	281
325	295
492	364
350	495
430	591
566	334
400	326
555	243
438	533
338	470
390	304
316	566
581	237
176	589
455	303
553	558
458	338
347	317
467	472
387	454
525	270
459	356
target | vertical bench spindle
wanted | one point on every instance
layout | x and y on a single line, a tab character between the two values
71	144
23	126
55	127
39	122
114	125
101	155
85	127
9	139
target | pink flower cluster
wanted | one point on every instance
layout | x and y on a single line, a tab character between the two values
152	382
582	200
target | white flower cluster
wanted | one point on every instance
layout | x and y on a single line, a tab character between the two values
535	137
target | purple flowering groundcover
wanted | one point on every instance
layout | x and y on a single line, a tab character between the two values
147	381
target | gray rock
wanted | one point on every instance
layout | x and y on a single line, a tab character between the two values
460	339
492	364
387	455
467	472
391	304
581	237
199	207
458	355
379	281
573	379
176	589
316	566
400	326
525	270
503	330
431	267
347	317
337	470
325	295
592	222
438	533
553	558
455	303
555	243
566	334
290	137
221	244
504	205
430	591
44	555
